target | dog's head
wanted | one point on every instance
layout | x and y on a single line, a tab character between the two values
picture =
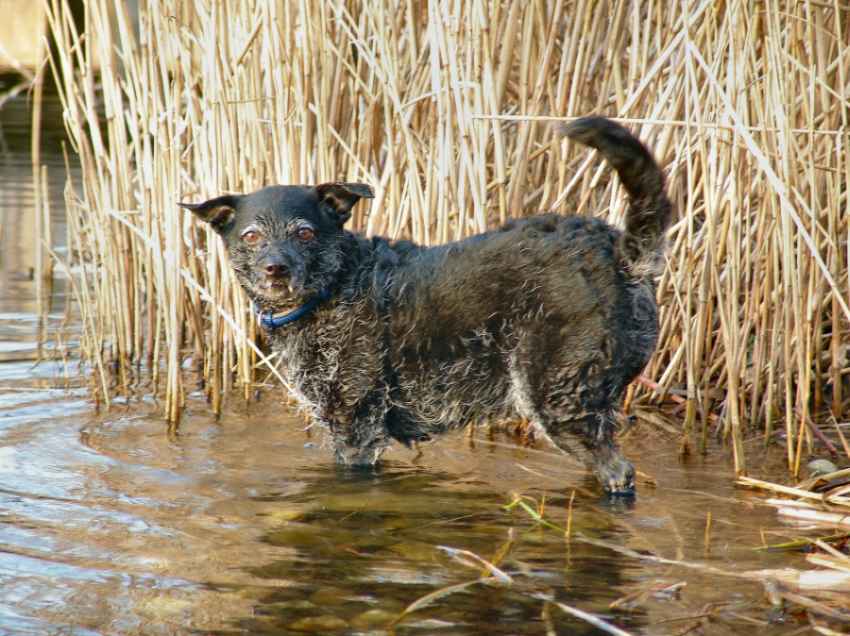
285	242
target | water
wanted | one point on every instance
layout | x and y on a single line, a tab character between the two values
244	526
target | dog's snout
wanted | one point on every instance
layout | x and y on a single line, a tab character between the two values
275	269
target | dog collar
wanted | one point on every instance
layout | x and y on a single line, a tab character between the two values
272	321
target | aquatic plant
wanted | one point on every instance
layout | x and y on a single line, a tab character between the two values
444	108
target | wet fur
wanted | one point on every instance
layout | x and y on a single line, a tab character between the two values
548	318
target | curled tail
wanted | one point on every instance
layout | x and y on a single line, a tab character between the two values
650	211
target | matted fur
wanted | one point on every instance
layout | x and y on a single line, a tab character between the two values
548	318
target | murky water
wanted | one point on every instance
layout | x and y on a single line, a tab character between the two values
244	525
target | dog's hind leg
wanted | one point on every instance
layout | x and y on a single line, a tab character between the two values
566	419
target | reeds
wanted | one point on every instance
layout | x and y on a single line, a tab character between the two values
442	107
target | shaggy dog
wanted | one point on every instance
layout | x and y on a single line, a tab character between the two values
548	318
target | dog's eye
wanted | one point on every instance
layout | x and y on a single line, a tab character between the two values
305	234
251	237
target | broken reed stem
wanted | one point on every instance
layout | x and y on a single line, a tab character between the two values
595	621
444	108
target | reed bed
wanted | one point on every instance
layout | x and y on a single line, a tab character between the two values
445	109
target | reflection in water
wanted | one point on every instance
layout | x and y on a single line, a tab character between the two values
109	526
18	240
365	577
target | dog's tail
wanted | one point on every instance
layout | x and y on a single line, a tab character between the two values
650	211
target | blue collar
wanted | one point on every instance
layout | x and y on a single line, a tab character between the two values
274	321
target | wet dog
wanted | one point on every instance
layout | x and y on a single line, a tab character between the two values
548	318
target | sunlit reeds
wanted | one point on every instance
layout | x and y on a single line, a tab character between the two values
443	108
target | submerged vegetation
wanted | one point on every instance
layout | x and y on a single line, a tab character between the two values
445	109
820	594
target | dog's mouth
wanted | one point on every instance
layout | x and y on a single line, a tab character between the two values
276	286
275	290
278	293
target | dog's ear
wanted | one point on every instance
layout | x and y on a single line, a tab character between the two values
217	212
341	197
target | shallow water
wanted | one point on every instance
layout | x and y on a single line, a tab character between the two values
243	525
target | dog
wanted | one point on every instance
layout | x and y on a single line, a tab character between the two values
548	318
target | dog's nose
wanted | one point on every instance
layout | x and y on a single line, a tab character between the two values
275	269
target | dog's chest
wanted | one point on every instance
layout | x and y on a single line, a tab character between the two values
310	367
331	364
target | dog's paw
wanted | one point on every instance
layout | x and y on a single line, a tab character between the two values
358	456
616	474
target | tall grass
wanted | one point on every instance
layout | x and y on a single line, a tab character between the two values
444	108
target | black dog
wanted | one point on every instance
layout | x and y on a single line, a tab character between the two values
548	318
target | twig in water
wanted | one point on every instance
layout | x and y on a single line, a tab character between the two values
546	615
568	531
518	501
785	490
436	595
463	556
597	622
802	542
503	550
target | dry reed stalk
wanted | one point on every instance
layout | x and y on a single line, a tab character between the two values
43	264
442	107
